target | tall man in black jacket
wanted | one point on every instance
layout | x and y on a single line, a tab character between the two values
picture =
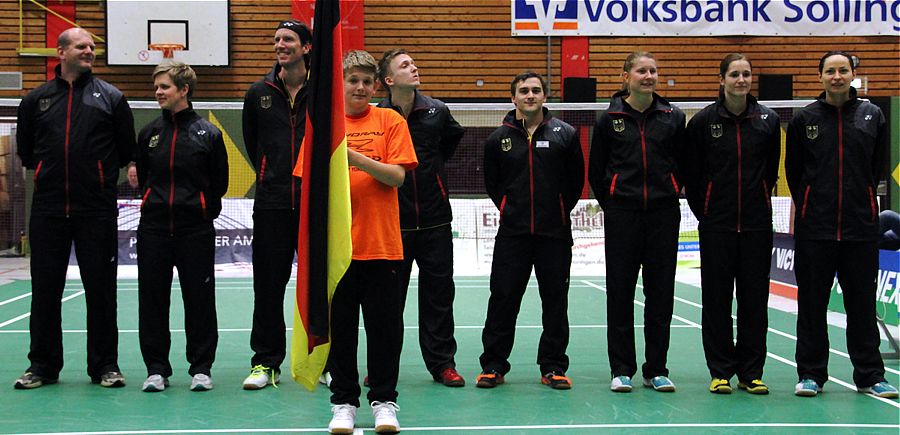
75	132
274	120
534	174
425	213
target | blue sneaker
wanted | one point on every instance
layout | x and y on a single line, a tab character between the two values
660	383
881	389
807	388
620	384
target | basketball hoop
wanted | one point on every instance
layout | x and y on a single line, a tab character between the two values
168	50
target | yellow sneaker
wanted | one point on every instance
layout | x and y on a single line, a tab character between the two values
755	386
720	386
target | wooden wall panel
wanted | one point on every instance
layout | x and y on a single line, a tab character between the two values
458	42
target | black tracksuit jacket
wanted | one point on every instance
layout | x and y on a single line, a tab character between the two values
183	168
835	157
732	166
75	137
535	181
273	131
634	162
424	199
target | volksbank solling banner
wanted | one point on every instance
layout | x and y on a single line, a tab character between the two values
705	17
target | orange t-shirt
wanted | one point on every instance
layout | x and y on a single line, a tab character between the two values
382	135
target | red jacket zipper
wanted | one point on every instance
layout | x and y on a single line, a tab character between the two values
262	169
441	185
66	147
144	199
100	171
872	203
36	172
172	177
805	202
708	195
203	204
740	186
416	196
293	137
644	156
531	175
840	171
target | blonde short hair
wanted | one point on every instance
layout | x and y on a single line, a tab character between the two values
360	60
181	73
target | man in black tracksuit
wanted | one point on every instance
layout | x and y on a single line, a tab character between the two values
731	169
183	167
75	132
425	213
835	157
274	120
633	171
534	174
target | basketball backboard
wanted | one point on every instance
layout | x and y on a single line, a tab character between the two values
136	29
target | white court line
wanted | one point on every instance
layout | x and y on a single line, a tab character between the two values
248	286
543	427
835	380
28	314
785	360
15	299
784	334
688	323
15	319
361	328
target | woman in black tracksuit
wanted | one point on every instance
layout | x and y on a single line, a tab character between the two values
834	159
183	169
733	148
635	178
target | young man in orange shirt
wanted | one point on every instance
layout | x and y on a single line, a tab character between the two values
379	151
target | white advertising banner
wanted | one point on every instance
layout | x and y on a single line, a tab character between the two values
705	17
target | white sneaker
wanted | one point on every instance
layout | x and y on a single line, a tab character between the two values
385	414
343	419
155	383
325	379
260	376
201	382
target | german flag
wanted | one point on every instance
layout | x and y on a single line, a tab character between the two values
324	248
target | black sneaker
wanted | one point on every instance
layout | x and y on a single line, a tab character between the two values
557	380
110	379
488	379
30	380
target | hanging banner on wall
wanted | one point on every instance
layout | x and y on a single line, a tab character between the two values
705	17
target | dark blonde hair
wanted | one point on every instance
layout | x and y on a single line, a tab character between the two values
384	65
360	60
181	73
630	61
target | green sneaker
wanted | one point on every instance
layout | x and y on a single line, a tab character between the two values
261	376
